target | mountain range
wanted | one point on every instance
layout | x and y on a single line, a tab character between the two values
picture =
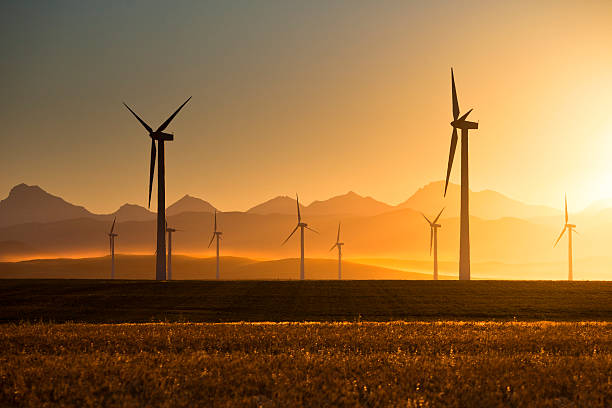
36	224
26	204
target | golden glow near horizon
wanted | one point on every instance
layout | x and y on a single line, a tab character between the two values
317	98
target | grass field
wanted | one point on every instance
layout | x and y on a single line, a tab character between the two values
97	301
456	364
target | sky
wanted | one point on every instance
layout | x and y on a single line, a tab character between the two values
315	97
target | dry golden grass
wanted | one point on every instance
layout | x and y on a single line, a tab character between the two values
475	364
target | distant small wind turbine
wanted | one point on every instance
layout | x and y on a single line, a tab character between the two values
301	225
161	137
339	245
170	231
111	236
433	240
570	229
216	234
465	126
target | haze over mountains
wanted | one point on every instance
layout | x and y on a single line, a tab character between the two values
34	223
26	204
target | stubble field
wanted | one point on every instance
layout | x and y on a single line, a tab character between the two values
407	364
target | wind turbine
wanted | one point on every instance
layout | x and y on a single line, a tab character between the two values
111	236
570	229
433	240
170	231
465	126
216	234
161	137
301	225
339	245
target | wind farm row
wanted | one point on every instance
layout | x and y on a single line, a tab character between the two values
164	233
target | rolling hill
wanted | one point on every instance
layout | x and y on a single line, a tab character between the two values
186	268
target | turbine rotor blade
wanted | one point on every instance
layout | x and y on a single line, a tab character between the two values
152	168
439	214
167	122
290	235
430	239
313	230
560	235
142	122
427	219
335	245
566	215
338	238
297	199
211	240
451	156
466	115
113	227
215	220
455	101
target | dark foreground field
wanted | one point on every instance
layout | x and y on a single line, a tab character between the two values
517	364
209	301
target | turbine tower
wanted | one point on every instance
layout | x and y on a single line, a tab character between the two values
111	236
216	234
465	126
170	231
160	137
433	240
339	245
301	225
570	228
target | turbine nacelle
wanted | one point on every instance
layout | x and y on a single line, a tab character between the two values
464	124
436	226
461	123
113	235
570	225
161	136
302	224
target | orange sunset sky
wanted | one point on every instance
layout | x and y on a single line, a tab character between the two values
315	97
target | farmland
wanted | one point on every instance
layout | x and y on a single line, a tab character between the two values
90	343
123	301
409	364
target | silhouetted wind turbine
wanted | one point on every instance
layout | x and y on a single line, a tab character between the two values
570	229
170	231
433	240
465	126
339	245
216	234
161	137
111	236
301	225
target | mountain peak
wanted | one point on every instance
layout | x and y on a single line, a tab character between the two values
281	204
33	204
188	203
350	203
25	189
